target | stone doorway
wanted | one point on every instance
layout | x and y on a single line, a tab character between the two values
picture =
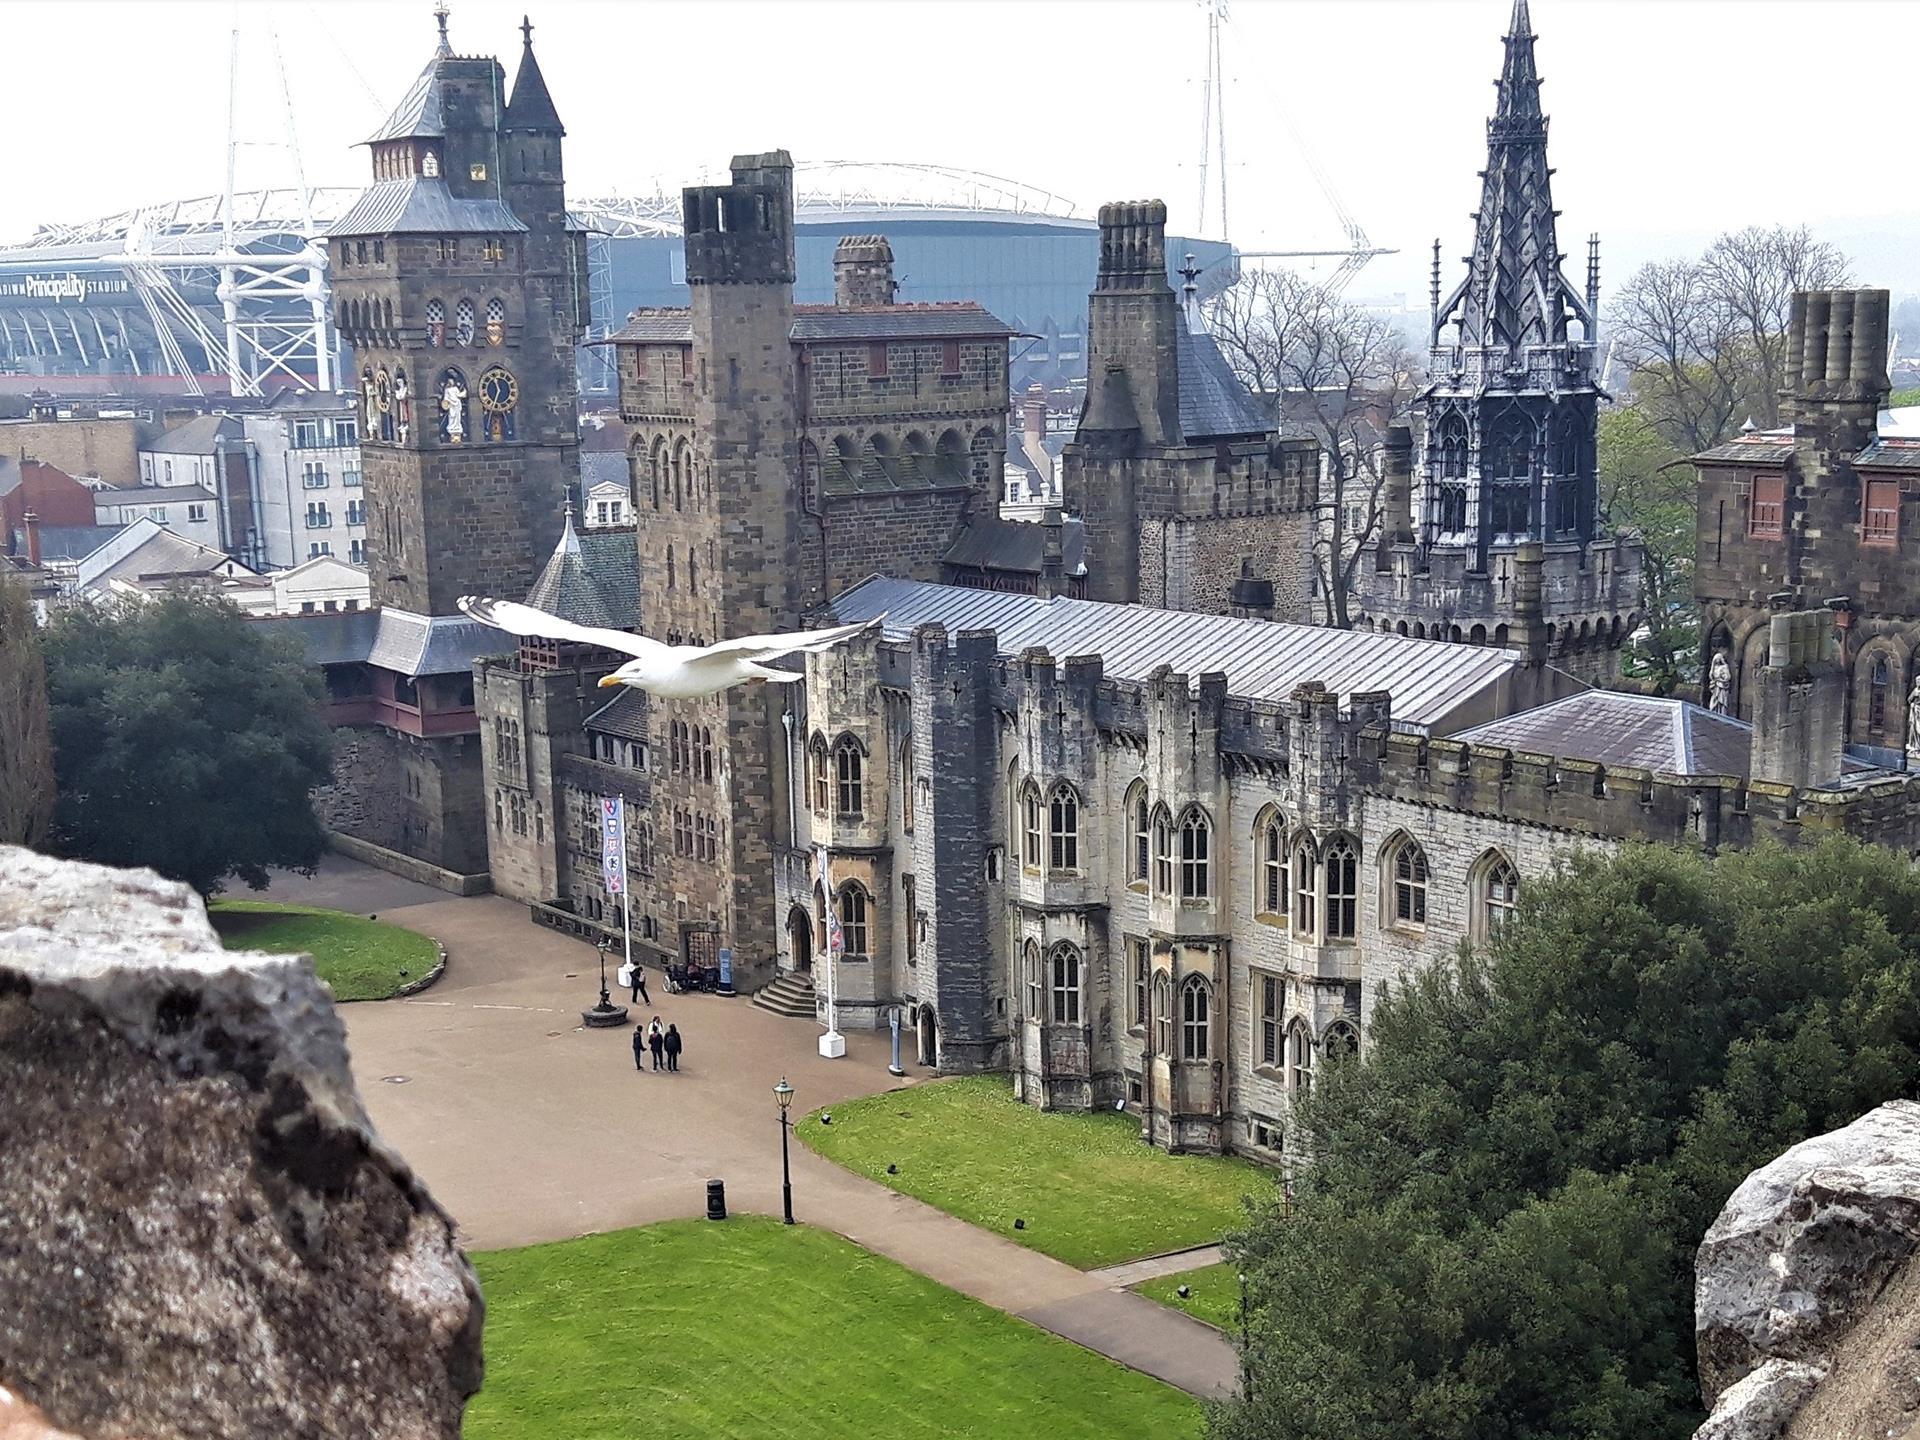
800	934
926	1031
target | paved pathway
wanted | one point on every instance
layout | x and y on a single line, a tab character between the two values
1174	1262
530	1128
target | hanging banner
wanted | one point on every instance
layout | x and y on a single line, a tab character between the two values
613	843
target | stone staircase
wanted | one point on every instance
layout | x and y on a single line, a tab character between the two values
790	995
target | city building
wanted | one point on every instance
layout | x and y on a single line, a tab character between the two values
210	451
1492	534
187	510
305	451
46	492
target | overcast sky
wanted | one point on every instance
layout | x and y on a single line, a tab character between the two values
1672	119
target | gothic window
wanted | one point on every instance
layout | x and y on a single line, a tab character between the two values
1162	1014
451	402
1162	851
1196	839
1340	1044
1140	962
1341	868
676	750
1066	985
680	476
907	799
910	911
669	565
1140	817
1450	448
499	394
1569	465
436	323
496	321
706	754
1030	962
847	776
822	778
1272	849
463	323
1409	883
1030	826
1196	1025
1269	987
1507	462
1499	893
1063	829
853	920
1879	681
1305	885
1299	1057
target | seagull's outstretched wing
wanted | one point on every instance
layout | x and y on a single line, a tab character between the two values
527	620
772	647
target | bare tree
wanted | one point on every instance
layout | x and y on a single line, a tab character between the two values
26	736
1707	338
1337	373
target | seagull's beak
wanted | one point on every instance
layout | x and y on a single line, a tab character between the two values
608	682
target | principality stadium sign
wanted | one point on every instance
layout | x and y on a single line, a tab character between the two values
58	288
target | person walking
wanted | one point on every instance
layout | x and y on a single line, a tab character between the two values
672	1046
637	980
639	1045
657	1043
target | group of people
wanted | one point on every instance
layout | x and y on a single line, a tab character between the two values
663	1044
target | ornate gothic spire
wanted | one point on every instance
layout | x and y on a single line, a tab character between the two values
531	107
1516	295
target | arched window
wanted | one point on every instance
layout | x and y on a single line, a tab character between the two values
1341	867
1299	1057
436	323
1306	887
1340	1044
1162	1014
669	565
822	778
1030	833
656	467
693	572
1450	461
1196	871
676	756
1506	463
853	920
1066	985
1063	829
1196	1005
1140	818
1162	851
846	769
1879	681
1030	967
706	754
1499	893
1271	847
1409	883
499	396
908	802
680	469
463	323
496	321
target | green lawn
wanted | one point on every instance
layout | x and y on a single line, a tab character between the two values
361	959
1215	1296
1090	1192
757	1329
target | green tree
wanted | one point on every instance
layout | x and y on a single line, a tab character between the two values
1494	1237
1645	483
26	742
188	739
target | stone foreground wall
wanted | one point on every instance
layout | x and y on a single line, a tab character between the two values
200	1234
1807	1290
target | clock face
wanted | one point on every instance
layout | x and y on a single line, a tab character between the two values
498	390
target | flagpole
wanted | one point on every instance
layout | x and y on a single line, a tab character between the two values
832	1044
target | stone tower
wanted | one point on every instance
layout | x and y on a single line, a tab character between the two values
1189	499
1498	539
463	295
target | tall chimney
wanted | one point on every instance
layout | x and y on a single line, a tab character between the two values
863	271
1033	420
1396	492
1800	703
1836	374
31	522
1053	562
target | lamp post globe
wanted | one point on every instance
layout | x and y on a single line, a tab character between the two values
783	1096
605	1013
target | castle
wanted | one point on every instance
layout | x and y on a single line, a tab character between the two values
1090	807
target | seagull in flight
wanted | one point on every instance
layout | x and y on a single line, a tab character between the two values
676	672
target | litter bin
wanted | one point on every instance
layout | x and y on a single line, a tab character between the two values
716	1199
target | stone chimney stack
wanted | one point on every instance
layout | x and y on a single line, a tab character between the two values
863	271
1053	558
1836	379
1033	419
31	523
1396	492
1800	703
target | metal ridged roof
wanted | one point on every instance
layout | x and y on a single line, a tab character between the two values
1263	660
1670	737
828	322
421	206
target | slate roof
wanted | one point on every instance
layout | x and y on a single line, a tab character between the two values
566	587
1669	737
599	466
613	560
872	474
625	715
946	320
397	640
67	542
1763	447
1430	680
196	436
1890	454
148	495
421	111
419	205
531	107
162	556
1213	401
992	543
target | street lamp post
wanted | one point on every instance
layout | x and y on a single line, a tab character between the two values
606	1013
1246	1368
783	1093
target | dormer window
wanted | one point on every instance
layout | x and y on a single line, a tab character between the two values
430	163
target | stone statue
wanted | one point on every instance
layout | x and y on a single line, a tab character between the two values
1913	725
1720	685
402	405
453	409
371	405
